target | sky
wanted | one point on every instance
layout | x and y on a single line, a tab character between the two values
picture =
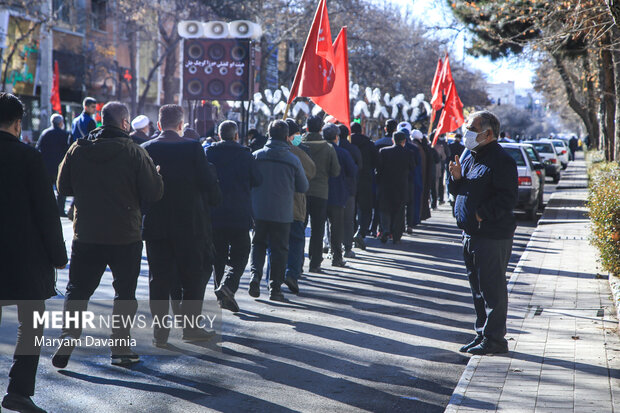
436	13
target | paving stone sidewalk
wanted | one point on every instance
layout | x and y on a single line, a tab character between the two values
562	326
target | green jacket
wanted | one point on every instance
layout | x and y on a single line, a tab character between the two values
111	178
299	199
326	161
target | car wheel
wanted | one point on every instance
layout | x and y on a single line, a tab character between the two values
531	213
541	204
556	178
564	166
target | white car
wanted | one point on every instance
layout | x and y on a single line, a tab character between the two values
548	153
562	149
530	191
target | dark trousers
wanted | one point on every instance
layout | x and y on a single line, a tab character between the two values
26	356
441	189
486	261
393	219
317	212
232	247
348	224
88	263
274	235
296	244
364	208
175	263
335	214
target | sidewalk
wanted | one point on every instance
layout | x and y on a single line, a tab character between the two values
562	325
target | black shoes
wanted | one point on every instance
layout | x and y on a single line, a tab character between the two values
359	242
20	403
292	285
277	296
61	357
123	356
227	298
254	289
488	347
198	334
383	237
339	263
471	344
316	270
161	343
349	254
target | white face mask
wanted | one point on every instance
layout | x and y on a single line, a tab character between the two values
470	139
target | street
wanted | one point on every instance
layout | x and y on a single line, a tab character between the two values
380	335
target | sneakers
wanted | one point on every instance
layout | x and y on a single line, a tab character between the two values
349	254
471	344
277	296
488	347
292	284
123	356
228	298
198	334
19	403
359	242
254	289
61	357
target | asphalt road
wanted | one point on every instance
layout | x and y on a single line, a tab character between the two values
380	335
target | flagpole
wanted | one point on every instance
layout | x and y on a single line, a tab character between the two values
288	106
430	125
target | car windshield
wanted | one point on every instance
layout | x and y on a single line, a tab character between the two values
531	154
558	144
543	147
517	155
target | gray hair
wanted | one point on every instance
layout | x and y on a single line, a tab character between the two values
113	113
56	119
228	130
330	132
488	120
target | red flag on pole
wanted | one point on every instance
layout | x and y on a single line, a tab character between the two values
55	99
336	102
315	73
436	78
452	116
445	80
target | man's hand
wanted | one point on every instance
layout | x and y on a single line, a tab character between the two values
455	168
478	217
157	168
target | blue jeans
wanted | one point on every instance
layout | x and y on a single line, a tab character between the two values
296	246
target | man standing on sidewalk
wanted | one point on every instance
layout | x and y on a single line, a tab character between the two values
272	204
485	186
84	124
364	196
31	246
110	178
238	174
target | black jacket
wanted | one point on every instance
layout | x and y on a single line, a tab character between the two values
32	243
356	154
238	174
488	187
369	157
455	149
53	144
110	178
188	182
138	137
393	173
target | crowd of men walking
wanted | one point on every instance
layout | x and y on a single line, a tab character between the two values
195	206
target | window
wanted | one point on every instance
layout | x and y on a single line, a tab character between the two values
517	155
62	9
531	154
98	14
544	147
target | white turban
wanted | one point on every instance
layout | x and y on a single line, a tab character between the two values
140	122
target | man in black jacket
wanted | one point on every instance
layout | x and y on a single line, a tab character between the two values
486	185
110	177
349	209
232	219
393	174
53	144
174	226
31	246
364	197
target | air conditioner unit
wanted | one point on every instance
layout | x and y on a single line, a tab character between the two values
216	29
244	29
190	29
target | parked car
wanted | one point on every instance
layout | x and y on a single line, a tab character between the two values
530	191
539	166
552	162
561	148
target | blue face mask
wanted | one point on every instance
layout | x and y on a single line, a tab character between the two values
296	140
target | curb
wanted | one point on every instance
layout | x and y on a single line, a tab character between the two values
459	391
614	285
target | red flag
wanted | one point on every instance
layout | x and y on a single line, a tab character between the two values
445	80
437	77
336	102
452	115
315	73
55	99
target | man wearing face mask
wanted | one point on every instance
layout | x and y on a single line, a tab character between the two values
485	185
297	236
108	221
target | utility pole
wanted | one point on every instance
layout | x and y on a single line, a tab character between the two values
45	70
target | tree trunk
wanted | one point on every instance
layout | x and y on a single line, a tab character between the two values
169	83
616	60
608	98
133	82
592	101
574	103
